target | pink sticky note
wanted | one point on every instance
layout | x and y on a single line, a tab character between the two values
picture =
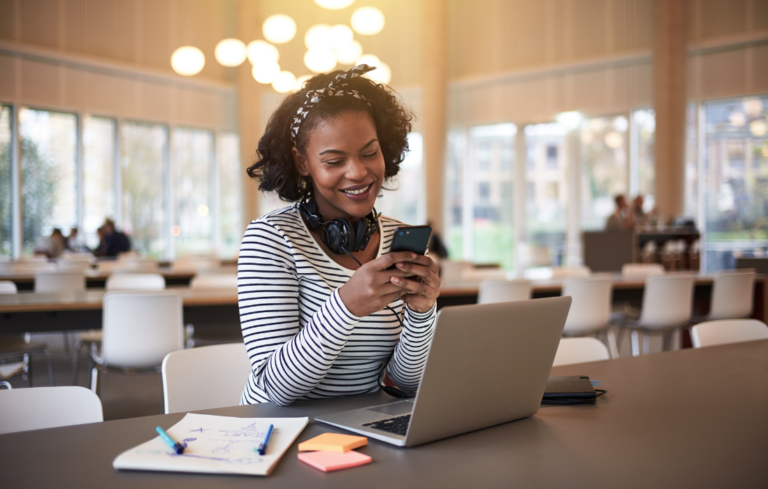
329	461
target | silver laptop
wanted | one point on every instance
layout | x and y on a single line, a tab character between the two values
487	365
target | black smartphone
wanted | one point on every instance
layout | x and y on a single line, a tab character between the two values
411	238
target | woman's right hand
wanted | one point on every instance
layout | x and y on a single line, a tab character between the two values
370	289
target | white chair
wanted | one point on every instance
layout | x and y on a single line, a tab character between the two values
732	294
48	407
8	287
106	266
667	303
140	329
723	332
580	350
590	312
74	264
60	281
641	270
504	291
452	271
213	281
135	281
205	378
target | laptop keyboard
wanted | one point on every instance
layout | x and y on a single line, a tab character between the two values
397	425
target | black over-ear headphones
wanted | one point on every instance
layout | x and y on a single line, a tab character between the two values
338	234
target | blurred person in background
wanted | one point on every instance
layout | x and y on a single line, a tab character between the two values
622	218
115	242
53	245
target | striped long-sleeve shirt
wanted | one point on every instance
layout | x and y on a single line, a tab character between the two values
302	341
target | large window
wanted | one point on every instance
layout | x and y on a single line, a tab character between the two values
6	210
644	174
735	179
604	168
546	173
453	204
48	175
143	155
231	178
192	176
99	200
407	199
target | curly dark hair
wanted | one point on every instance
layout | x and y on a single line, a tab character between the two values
275	166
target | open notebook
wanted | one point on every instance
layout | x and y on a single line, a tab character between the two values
216	445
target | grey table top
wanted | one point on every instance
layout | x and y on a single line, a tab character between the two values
688	418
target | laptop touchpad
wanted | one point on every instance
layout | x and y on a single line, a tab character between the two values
394	408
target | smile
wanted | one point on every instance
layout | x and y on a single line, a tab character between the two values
358	193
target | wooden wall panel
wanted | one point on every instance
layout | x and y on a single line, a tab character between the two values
40	22
723	17
40	84
758	57
104	94
759	15
8	81
722	74
8	19
156	101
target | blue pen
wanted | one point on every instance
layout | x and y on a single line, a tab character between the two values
263	446
177	447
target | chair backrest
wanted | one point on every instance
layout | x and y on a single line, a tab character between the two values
732	294
8	287
135	281
74	263
641	270
47	407
580	350
667	301
60	281
453	270
591	303
141	328
504	291
214	281
722	332
205	378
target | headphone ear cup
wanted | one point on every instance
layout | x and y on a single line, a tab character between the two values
337	235
360	234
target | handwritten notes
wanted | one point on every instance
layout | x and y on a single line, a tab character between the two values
216	445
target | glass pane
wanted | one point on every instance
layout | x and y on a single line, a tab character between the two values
142	157
49	176
691	162
6	216
546	196
488	193
735	180
98	176
192	173
230	200
407	201
645	131
604	175
453	208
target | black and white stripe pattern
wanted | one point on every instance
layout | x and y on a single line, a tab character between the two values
302	341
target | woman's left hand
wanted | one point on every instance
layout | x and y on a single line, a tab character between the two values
420	295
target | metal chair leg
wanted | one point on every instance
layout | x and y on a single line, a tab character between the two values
28	369
635	343
51	379
76	361
95	380
646	343
613	347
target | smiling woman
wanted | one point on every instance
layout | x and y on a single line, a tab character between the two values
321	313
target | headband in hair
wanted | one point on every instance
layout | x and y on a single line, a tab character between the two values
334	89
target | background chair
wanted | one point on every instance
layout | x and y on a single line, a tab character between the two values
504	291
136	265
205	378
140	329
213	334
580	350
59	281
590	312
47	407
641	270
722	332
452	271
733	292
667	303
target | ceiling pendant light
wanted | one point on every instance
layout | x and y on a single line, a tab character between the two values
265	72
279	28
230	52
262	52
334	4
348	53
367	21
187	60
319	37
284	82
320	61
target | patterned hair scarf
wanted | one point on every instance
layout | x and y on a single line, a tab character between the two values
334	89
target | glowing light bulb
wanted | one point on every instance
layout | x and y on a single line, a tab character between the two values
348	53
758	127
319	37
284	82
367	21
319	61
230	52
737	119
279	28
202	210
340	35
187	60
382	73
175	230
614	140
334	4
265	72
570	120
262	52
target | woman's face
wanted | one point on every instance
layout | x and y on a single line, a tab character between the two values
346	165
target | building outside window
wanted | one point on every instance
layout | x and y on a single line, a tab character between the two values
143	154
48	176
407	202
735	180
604	168
546	199
6	188
230	181
193	174
99	200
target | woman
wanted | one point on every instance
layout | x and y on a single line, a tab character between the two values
321	312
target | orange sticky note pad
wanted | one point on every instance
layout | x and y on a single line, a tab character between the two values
329	461
333	442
